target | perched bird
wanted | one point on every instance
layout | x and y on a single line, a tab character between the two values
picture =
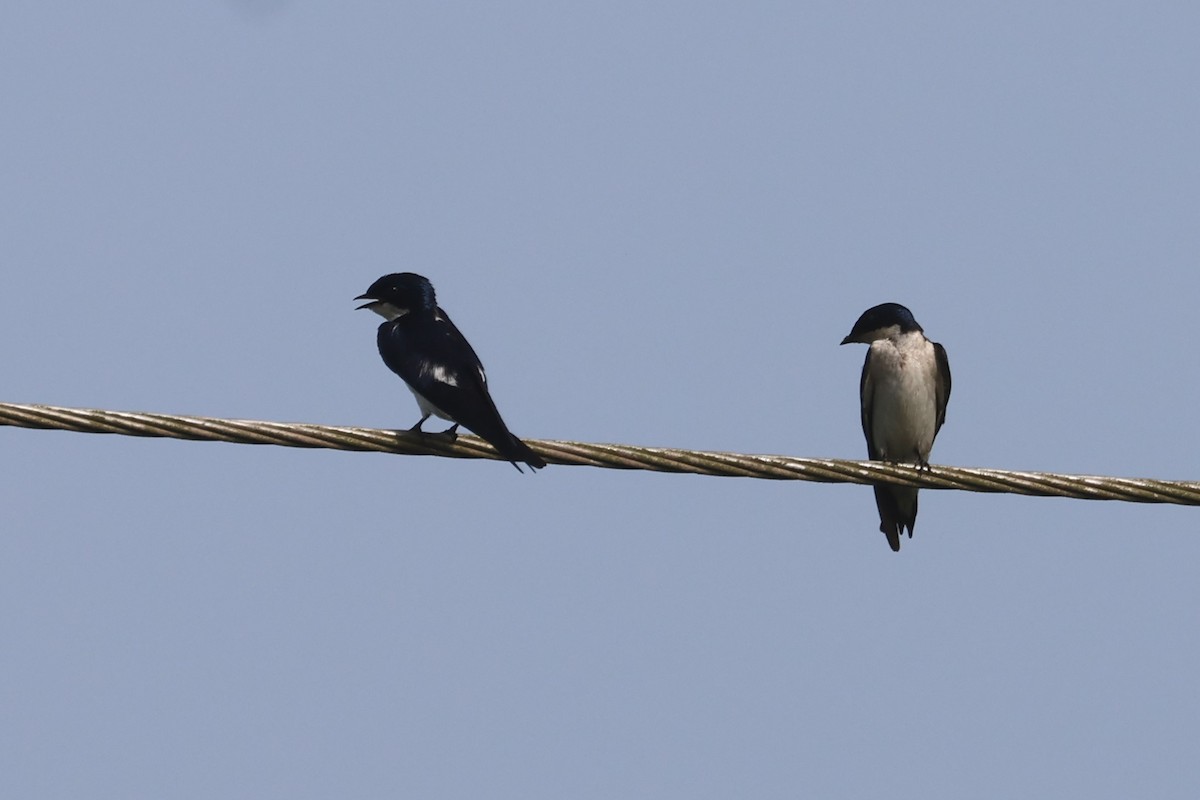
904	389
419	343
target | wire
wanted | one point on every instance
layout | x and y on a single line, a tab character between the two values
607	456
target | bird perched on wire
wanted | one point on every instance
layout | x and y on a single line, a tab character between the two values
904	389
419	343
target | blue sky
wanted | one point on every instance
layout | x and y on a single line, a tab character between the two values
655	222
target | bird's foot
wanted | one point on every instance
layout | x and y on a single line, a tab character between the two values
450	434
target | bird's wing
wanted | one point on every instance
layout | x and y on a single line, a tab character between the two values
942	385
438	362
866	396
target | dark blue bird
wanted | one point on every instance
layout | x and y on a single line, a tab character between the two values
419	343
904	390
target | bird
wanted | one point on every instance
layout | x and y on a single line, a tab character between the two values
419	343
904	389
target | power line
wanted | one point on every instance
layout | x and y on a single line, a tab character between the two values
607	456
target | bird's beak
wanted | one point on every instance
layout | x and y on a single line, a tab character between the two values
847	340
365	305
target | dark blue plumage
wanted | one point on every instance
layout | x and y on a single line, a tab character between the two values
420	344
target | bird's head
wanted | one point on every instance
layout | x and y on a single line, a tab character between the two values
881	322
393	296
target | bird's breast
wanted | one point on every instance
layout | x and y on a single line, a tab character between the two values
904	414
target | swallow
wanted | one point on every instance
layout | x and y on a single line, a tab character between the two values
419	343
904	389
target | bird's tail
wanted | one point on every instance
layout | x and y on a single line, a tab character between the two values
897	510
515	450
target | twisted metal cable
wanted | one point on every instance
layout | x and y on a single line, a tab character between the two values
609	456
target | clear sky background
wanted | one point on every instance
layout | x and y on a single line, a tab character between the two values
655	222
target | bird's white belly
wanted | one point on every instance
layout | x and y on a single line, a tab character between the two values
904	422
428	407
